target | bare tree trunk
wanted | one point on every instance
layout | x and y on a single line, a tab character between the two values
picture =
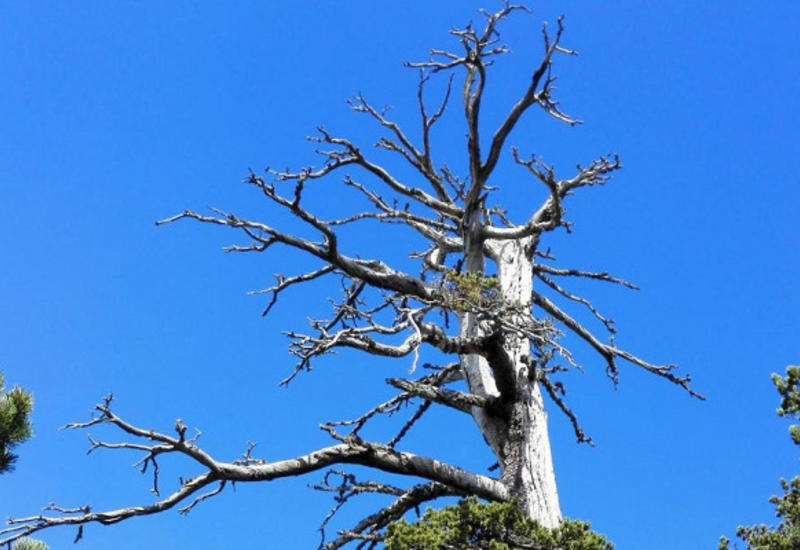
516	429
528	462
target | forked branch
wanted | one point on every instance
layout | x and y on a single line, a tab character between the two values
218	473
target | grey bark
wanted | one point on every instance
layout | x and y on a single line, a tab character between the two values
516	429
528	472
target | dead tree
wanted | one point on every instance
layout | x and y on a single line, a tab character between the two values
472	298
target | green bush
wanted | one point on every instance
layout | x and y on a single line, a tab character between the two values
497	526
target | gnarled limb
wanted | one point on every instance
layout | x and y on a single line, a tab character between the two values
549	215
351	450
374	272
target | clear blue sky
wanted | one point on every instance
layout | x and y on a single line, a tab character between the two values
113	115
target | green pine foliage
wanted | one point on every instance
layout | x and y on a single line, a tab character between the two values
467	291
496	526
786	535
789	388
15	426
29	544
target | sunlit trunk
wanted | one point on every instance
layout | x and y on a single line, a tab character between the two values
517	432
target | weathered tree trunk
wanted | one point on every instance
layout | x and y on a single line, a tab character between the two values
528	462
516	429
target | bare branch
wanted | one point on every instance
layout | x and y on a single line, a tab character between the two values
421	410
553	391
22	527
345	490
200	498
360	104
369	527
285	282
532	95
355	156
434	230
457	400
306	347
428	122
609	352
420	160
373	272
444	375
598	275
549	215
608	323
354	451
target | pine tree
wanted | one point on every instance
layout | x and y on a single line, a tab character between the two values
496	526
15	425
16	406
786	535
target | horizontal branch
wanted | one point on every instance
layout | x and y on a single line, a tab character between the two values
374	272
372	455
597	275
352	450
363	338
451	398
22	527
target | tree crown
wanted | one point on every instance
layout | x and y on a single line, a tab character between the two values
469	297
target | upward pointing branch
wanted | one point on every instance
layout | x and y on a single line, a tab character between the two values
531	96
